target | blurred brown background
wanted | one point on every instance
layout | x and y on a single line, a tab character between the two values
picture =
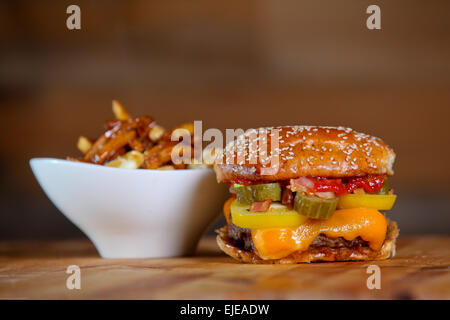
231	64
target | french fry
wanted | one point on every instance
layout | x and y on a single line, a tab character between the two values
74	159
158	155
117	142
91	154
131	124
119	111
118	153
138	143
84	144
179	166
135	144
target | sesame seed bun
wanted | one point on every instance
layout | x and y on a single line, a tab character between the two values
303	151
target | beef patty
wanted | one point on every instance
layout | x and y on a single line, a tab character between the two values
242	238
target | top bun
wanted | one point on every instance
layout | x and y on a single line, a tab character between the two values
305	151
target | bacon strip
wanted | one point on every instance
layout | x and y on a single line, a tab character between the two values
261	206
302	184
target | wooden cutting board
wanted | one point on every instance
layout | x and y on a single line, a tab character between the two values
37	270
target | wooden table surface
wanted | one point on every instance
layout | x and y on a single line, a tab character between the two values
37	270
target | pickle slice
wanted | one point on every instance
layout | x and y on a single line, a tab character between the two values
258	192
266	191
314	207
243	194
385	189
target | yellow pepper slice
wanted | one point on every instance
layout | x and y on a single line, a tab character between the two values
374	201
278	216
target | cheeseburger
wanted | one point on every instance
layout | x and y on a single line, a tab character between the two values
323	202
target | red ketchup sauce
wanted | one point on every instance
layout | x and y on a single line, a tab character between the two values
370	184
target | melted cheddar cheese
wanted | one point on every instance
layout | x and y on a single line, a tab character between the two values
277	243
226	209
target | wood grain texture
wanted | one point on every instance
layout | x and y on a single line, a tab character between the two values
36	270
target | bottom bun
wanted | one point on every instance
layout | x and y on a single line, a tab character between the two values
314	254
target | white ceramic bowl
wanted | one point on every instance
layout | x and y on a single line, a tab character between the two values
133	213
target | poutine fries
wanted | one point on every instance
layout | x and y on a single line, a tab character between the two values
135	143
